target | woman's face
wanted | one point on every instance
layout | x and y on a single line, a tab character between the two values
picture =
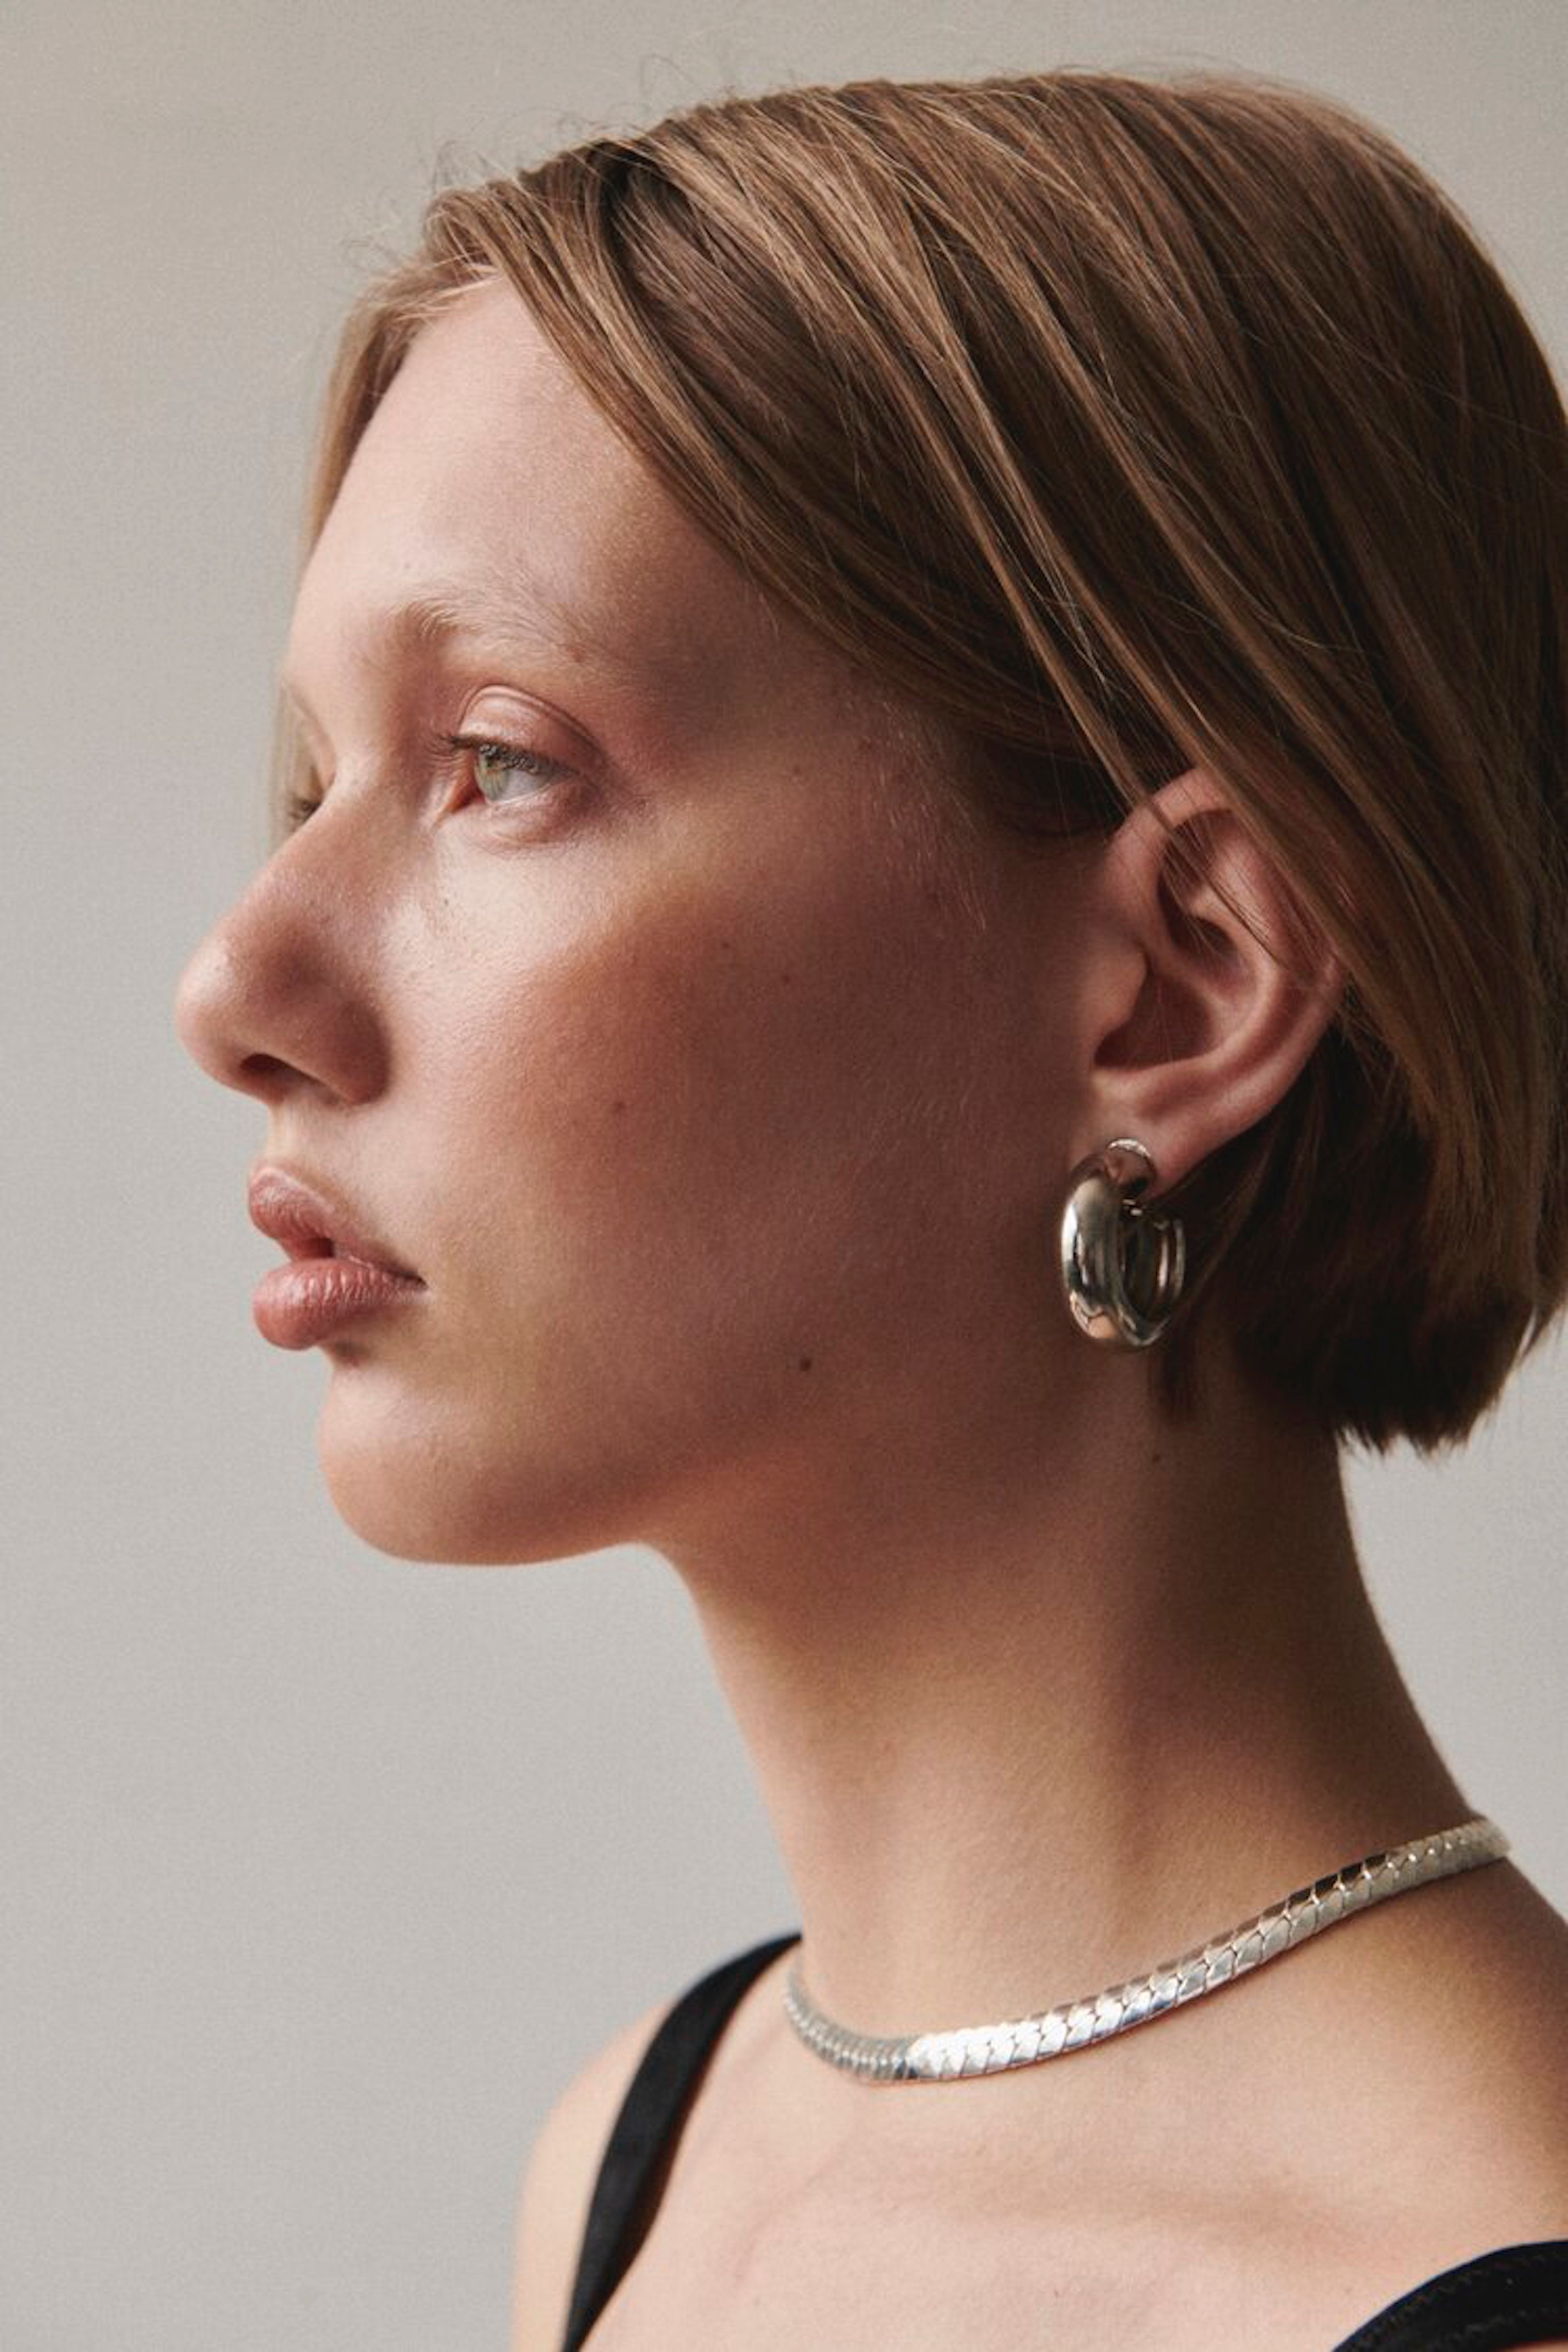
700	1076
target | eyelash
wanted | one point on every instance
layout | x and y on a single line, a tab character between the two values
514	757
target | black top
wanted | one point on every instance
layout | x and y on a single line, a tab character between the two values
1517	2295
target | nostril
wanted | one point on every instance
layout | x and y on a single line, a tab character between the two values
267	1076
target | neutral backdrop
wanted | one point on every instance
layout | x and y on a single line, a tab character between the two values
320	1873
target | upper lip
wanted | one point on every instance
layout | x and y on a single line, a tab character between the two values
310	1223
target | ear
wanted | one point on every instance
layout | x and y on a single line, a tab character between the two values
1206	988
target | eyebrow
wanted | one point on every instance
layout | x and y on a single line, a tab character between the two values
490	612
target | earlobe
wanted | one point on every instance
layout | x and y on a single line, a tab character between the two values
1235	987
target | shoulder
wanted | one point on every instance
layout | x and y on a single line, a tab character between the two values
558	2185
559	2180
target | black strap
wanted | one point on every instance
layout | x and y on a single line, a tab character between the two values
1517	2295
645	2129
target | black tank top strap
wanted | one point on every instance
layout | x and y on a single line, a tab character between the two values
645	2129
1515	2295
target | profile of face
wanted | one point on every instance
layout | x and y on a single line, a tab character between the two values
707	1077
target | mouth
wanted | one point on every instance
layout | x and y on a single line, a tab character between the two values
311	1224
322	1246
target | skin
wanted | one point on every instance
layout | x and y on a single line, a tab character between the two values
724	1088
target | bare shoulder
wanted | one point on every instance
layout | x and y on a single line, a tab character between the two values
557	2183
1455	2141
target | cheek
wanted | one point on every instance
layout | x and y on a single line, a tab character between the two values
684	1137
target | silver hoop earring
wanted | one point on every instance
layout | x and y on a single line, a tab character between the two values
1122	1267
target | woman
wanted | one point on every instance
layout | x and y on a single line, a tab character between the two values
920	951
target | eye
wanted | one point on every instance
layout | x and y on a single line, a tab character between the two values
506	774
298	806
494	763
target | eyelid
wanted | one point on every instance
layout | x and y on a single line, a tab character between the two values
523	713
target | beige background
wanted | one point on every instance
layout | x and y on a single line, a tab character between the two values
320	1872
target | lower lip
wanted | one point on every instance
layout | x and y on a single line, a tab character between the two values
298	1304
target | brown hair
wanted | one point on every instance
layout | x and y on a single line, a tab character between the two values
1123	425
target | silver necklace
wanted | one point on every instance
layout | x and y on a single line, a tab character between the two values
1026	2041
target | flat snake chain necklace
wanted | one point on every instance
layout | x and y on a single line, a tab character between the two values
1026	2041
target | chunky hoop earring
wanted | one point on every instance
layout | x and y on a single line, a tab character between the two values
1122	1267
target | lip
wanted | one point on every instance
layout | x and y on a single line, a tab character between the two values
296	1305
311	1224
338	1267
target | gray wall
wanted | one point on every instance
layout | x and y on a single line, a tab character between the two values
321	1872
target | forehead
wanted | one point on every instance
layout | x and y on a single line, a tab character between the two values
488	494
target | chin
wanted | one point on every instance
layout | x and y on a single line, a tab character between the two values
408	1492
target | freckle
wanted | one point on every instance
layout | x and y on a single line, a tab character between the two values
619	1104
805	1363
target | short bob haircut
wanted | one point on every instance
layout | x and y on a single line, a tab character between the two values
1116	424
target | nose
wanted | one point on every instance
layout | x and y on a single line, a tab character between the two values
275	999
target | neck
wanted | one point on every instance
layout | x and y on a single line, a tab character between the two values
1029	1722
